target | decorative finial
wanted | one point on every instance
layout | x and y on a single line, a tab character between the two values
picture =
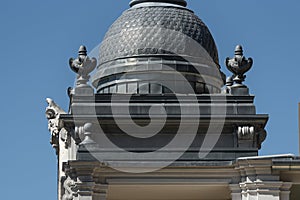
83	66
177	2
239	65
88	129
227	88
238	50
82	51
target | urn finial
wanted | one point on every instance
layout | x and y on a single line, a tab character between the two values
239	65
82	66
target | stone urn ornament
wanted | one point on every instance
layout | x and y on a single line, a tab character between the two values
239	65
83	66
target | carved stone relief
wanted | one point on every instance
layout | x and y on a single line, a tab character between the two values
52	113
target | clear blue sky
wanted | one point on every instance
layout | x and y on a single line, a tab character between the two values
38	37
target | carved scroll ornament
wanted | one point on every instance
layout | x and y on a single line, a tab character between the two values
52	113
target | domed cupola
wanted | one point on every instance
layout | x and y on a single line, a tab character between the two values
157	47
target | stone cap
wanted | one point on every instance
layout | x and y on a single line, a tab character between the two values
177	2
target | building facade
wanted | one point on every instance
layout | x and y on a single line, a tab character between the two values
160	121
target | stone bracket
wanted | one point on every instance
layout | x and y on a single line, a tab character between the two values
53	111
249	136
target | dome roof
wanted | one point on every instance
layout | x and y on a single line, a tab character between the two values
130	36
157	30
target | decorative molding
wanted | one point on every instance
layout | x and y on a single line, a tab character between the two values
70	188
261	136
261	190
53	112
255	170
258	181
285	191
246	132
250	136
235	191
70	185
100	191
65	136
246	136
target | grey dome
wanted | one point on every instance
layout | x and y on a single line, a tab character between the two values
130	36
161	30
